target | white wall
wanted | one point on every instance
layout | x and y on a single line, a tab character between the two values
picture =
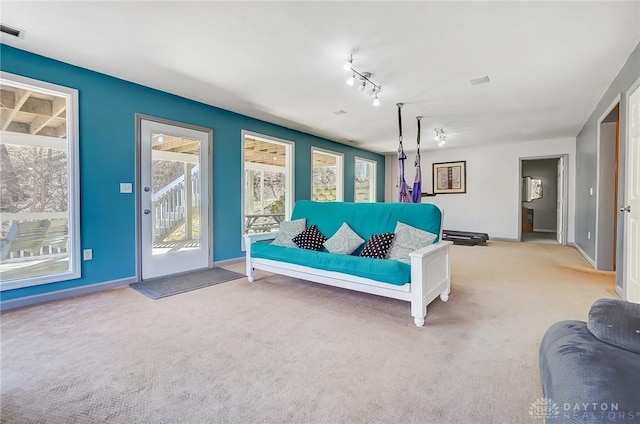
492	202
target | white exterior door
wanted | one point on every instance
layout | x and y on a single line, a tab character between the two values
174	200
560	202
632	202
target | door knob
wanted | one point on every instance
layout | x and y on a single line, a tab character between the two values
626	209
147	211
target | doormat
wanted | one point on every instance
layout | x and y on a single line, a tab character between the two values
160	287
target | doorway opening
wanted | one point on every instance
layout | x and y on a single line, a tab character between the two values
607	192
542	201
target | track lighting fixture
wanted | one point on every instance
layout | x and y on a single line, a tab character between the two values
441	136
365	80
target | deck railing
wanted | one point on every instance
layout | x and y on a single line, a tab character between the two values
173	204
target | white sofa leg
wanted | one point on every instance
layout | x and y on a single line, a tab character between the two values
250	271
418	311
444	296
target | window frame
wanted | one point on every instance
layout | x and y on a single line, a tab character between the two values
374	179
290	147
339	171
73	178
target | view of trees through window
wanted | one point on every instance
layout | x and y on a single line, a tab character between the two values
267	191
365	181
38	161
326	177
34	179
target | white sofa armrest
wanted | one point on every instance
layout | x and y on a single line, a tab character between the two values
430	278
252	238
431	249
249	239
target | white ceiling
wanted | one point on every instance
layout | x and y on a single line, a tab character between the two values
548	62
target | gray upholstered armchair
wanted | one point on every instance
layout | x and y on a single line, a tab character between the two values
590	371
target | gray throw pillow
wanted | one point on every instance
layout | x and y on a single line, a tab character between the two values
344	242
288	230
406	240
616	322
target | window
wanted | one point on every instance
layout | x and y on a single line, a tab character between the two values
365	184
38	183
327	176
267	182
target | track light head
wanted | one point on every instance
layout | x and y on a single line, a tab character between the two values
376	101
363	85
351	79
349	63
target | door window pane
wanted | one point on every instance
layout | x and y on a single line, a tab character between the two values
175	199
326	178
38	188
365	183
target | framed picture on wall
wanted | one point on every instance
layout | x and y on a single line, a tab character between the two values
450	177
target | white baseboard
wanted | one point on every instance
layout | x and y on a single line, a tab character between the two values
62	294
540	230
619	292
584	254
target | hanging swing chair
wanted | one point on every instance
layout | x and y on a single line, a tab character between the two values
403	189
416	193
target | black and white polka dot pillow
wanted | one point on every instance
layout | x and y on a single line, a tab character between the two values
378	246
310	239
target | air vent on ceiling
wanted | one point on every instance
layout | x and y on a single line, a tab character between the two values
481	80
11	31
340	112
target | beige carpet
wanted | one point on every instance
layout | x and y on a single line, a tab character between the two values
287	351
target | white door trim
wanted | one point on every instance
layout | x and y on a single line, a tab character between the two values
634	297
139	117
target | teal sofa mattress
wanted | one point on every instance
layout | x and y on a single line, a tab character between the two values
365	219
383	270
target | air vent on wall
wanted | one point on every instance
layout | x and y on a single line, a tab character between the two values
481	80
6	29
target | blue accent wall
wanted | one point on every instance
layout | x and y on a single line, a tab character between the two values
107	108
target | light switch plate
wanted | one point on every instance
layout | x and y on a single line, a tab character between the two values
126	188
87	254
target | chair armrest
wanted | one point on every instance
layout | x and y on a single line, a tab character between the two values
617	323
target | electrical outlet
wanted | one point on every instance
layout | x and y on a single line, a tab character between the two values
590	191
87	254
589	235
